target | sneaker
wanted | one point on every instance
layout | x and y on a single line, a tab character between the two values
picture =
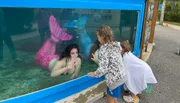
57	33
129	99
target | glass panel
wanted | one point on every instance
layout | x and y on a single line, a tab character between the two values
33	45
147	34
150	11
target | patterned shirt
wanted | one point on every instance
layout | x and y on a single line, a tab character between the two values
110	63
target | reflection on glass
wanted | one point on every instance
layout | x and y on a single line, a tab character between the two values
42	18
55	45
147	34
150	11
6	38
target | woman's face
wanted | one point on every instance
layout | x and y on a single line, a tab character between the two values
100	38
74	53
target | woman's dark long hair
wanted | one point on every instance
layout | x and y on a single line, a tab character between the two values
67	51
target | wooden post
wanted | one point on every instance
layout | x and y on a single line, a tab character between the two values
144	28
156	5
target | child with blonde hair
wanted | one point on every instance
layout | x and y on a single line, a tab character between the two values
110	63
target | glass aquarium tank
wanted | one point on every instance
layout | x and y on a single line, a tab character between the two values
28	30
36	43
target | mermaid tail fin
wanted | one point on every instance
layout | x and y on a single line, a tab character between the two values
80	23
57	33
84	37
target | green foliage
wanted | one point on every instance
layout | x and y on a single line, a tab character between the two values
169	15
172	16
161	1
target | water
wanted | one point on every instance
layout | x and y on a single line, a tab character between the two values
23	40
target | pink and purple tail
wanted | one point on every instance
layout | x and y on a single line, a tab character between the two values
57	33
46	54
47	51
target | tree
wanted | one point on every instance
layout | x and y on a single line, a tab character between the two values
162	12
173	5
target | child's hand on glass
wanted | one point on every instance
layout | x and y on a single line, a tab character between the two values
91	74
94	57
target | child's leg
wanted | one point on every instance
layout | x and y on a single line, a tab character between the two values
135	98
110	99
115	100
46	54
133	95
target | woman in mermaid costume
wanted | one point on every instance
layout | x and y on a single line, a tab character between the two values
68	63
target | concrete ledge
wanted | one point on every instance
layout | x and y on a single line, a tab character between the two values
89	95
146	55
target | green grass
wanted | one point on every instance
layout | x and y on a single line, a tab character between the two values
173	23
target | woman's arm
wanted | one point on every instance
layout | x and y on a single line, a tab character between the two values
58	68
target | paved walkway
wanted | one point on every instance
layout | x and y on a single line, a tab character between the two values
171	26
166	67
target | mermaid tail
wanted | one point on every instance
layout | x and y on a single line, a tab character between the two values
47	51
86	43
46	54
57	33
84	37
80	23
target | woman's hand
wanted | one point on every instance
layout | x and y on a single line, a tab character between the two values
71	64
74	76
94	58
91	74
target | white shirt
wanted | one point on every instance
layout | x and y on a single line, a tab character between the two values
139	73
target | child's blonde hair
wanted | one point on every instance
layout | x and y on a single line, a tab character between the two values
126	46
107	34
